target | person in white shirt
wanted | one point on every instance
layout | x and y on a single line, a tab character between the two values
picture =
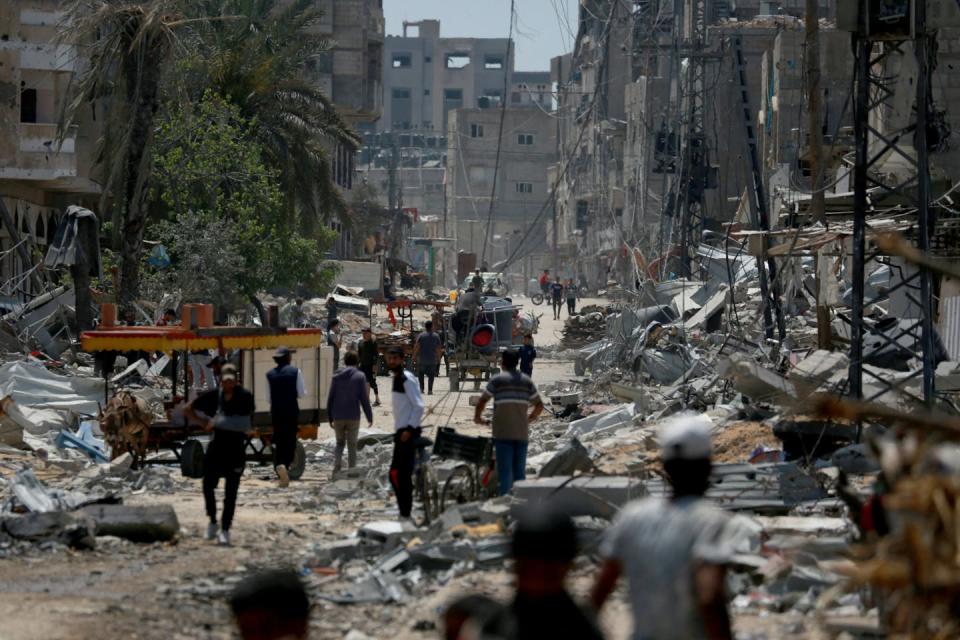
674	551
408	411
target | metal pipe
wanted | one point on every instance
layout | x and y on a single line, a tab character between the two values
925	227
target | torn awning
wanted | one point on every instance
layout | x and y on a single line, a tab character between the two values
76	233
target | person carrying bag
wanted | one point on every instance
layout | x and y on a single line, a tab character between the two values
232	409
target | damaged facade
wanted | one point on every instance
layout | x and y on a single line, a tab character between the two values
40	173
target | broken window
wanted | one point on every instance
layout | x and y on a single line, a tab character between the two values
524	187
28	105
457	60
402	60
476	130
493	62
525	139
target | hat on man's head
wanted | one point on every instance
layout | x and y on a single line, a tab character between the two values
228	372
686	437
281	353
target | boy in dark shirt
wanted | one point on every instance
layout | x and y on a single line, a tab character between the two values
227	413
528	354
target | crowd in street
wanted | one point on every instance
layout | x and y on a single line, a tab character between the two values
681	595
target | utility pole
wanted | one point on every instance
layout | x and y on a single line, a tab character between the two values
815	160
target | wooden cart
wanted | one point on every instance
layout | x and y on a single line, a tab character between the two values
256	347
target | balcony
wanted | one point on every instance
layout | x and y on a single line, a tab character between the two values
38	156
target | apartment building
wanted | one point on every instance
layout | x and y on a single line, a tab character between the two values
528	149
351	75
39	174
427	76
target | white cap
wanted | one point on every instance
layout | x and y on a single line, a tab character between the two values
686	437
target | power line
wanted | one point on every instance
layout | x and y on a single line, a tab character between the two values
503	116
588	114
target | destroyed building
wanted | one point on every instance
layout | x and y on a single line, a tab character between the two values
41	173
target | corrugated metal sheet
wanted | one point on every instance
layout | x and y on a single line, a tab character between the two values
950	325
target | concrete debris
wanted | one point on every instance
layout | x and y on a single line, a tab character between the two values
156	523
569	460
29	494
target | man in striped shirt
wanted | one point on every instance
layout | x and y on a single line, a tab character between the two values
513	394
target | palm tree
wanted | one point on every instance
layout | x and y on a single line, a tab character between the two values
127	48
255	56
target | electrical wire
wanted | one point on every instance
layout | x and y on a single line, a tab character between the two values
503	116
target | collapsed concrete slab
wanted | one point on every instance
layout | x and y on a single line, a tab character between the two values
601	497
756	382
816	369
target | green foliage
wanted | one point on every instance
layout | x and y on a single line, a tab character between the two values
228	233
259	55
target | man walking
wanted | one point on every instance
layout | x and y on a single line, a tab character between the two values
231	408
426	355
335	340
556	296
571	291
368	352
528	353
407	414
513	393
348	394
284	389
681	593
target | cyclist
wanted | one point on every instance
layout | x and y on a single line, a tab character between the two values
545	281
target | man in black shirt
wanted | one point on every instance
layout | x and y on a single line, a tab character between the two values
227	413
369	353
544	547
556	296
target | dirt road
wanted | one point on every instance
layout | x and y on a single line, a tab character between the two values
123	590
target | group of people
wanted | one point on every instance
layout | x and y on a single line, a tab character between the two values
673	553
558	291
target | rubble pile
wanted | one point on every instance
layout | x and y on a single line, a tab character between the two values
582	329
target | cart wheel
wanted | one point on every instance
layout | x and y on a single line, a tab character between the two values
191	459
299	463
459	488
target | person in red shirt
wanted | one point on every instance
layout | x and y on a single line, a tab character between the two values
544	280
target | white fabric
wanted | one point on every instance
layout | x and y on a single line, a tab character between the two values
686	437
408	406
659	545
34	387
